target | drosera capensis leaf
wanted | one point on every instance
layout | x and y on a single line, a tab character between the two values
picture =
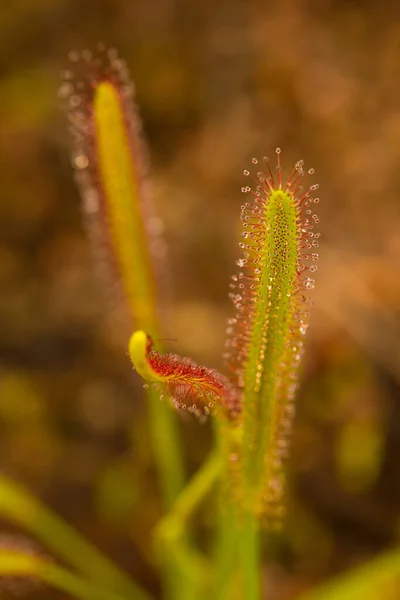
266	336
110	159
191	387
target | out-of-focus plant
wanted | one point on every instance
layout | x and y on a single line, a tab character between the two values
378	578
252	408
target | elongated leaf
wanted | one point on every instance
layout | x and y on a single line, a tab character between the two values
266	336
22	565
377	579
20	507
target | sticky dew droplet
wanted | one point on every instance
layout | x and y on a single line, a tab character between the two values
80	161
309	283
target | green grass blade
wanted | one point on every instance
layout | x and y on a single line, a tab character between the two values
19	564
375	580
20	507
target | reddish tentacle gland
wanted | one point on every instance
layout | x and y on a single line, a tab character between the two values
190	386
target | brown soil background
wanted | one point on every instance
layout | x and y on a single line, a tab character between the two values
217	83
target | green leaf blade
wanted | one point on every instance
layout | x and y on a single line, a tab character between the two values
269	327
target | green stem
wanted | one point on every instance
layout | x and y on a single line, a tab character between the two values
19	506
167	447
249	556
227	537
168	458
237	551
170	533
195	491
226	549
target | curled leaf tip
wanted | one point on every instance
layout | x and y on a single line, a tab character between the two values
190	386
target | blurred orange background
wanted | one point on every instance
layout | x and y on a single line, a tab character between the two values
217	83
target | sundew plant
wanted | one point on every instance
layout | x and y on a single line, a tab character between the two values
251	405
